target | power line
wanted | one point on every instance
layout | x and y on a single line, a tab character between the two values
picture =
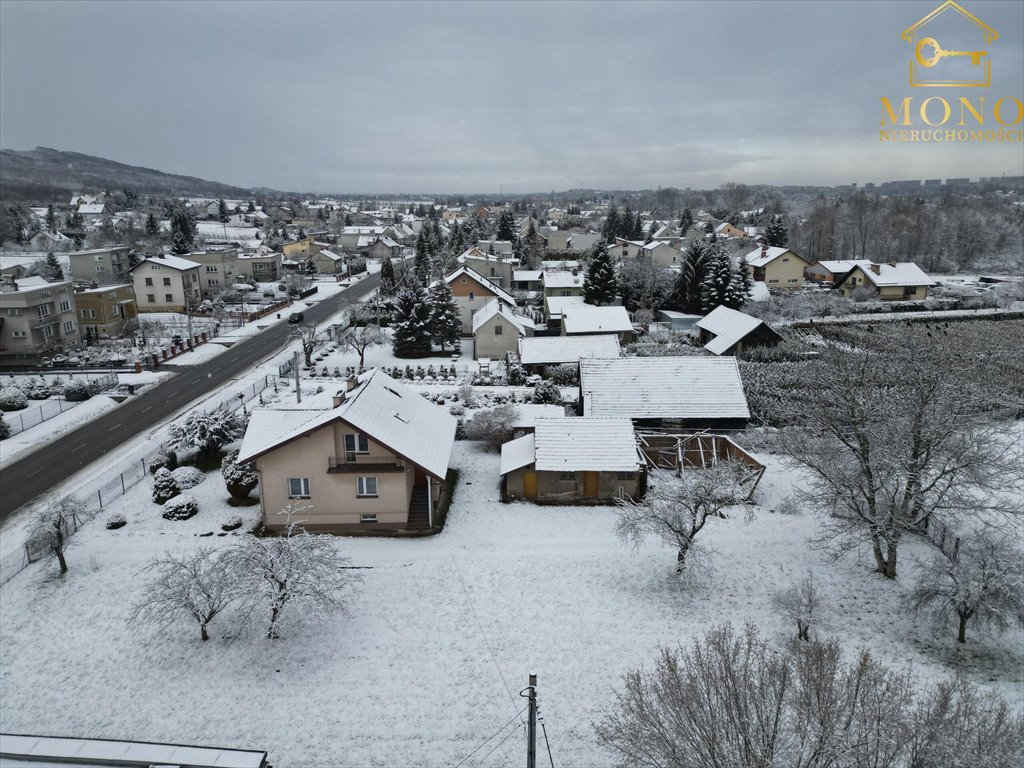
544	728
480	746
484	635
514	730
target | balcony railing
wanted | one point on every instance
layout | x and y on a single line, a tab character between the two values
363	463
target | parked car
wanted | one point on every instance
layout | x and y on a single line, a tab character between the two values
295	317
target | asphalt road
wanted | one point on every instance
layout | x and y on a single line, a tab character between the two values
47	467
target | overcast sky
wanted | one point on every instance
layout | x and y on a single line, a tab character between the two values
482	96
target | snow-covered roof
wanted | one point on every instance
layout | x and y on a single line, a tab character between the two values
495	307
663	388
553	350
174	262
35	281
268	425
571	444
759	291
329	255
584	318
763	256
562	264
389	242
387	412
905	273
528	413
526	275
362	231
471	273
562	280
842	265
517	453
729	326
583	241
556	305
46	751
91	209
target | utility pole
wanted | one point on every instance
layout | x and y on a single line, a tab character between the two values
531	723
295	365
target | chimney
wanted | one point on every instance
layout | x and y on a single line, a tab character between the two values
764	248
350	383
338	398
575	272
876	269
892	263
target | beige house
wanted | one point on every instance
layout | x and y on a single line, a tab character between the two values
384	246
663	254
107	311
498	268
327	262
218	269
574	461
777	267
831	271
588	320
562	283
497	329
890	282
36	317
107	266
624	250
472	291
167	284
377	458
262	266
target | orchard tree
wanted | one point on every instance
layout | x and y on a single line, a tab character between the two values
294	573
53	526
678	509
801	604
190	587
600	285
360	338
644	286
445	323
310	339
410	323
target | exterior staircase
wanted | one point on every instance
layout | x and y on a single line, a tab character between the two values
419	516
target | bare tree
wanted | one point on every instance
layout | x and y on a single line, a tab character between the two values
892	439
191	587
296	570
983	583
493	427
800	603
310	339
361	338
53	527
677	509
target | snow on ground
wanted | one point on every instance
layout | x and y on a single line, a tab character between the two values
439	638
16	446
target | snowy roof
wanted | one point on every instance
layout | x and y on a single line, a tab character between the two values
663	388
474	275
329	255
551	350
556	305
762	256
46	751
562	280
759	291
389	242
655	244
562	264
517	453
91	209
906	273
526	275
571	444
842	265
35	281
729	327
267	425
496	307
362	231
528	413
389	413
582	241
174	262
584	318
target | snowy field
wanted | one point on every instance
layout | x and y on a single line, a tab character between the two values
439	638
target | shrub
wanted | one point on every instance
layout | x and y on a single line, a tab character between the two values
12	399
456	410
180	508
239	479
164	486
116	521
5	429
39	392
187	477
168	460
565	375
547	393
467	395
493	427
76	391
233	523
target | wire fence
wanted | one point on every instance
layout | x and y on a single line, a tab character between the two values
944	537
115	485
19	421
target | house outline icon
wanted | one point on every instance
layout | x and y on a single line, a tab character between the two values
911	34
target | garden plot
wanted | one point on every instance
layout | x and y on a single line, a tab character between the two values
440	636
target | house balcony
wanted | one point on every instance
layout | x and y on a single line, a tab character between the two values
361	463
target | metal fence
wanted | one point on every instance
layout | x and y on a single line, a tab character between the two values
19	421
943	537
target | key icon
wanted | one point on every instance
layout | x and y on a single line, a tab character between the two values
938	53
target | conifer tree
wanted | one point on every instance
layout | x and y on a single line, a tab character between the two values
686	291
445	323
776	233
183	231
714	288
152	225
611	225
411	323
52	268
421	264
600	285
625	228
685	221
222	211
506	225
388	285
739	286
637	228
51	220
650	232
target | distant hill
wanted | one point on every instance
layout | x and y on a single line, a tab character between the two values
45	174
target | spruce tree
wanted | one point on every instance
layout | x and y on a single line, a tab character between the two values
686	291
52	268
445	323
222	211
600	285
651	231
411	323
183	231
388	285
51	220
776	233
152	225
611	225
625	228
506	226
739	286
717	278
421	264
637	230
685	221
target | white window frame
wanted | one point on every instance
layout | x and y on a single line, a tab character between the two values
368	518
363	489
360	445
298	487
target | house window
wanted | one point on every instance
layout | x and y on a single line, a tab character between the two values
366	486
65	306
566	475
498	330
463	281
471	296
45	294
355	443
213	282
48	331
149	281
14	313
210	268
793	279
785	261
99	258
44	310
298	487
69	325
19	334
83	313
367	518
168	297
101	269
151	298
773	281
623	475
114	312
167	281
62	290
565	293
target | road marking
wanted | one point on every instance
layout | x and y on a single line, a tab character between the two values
113	428
34	473
147	408
79	447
